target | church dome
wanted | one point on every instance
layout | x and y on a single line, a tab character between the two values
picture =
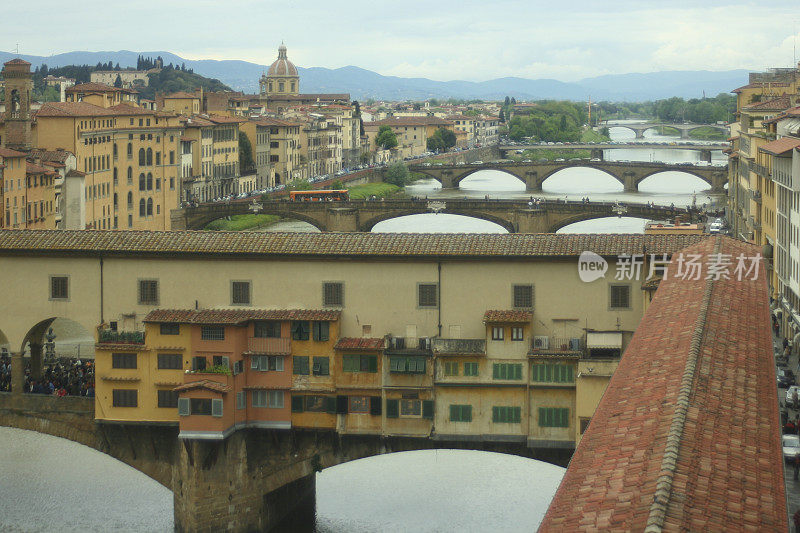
282	66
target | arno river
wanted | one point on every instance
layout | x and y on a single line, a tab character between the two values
48	483
665	188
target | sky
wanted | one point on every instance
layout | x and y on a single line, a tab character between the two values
444	40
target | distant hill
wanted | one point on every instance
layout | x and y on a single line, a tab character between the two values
363	84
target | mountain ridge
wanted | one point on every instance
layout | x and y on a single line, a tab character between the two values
364	84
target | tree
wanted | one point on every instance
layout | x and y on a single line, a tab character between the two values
118	82
246	163
502	116
298	185
397	174
386	138
337	185
513	100
507	101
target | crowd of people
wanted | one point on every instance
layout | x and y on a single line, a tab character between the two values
61	377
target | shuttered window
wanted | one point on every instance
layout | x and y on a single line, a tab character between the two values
59	287
148	292
300	330
267	329
321	330
240	293
408	364
167	398
321	366
333	294
460	413
241	400
300	365
123	360
507	371
620	296
170	361
507	415
427	294
266	363
359	363
451	368
470	369
125	397
183	407
523	296
216	407
552	373
553	417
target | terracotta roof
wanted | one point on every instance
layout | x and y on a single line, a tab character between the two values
252	244
16	61
33	168
780	146
687	434
237	316
360	343
276	122
7	152
409	121
510	316
203	384
75	173
55	156
760	85
775	104
93	87
322	97
83	109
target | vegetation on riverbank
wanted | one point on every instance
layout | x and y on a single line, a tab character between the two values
550	154
242	222
708	134
379	190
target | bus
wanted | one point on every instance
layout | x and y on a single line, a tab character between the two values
319	196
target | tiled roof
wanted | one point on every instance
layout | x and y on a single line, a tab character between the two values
7	152
510	316
16	61
252	244
33	168
276	122
93	87
410	121
780	146
687	434
75	173
237	316
203	384
56	156
83	109
322	97
775	104
360	343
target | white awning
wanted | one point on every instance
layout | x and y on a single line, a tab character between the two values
604	340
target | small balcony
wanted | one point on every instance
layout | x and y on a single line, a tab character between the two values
756	196
459	346
269	345
550	344
107	336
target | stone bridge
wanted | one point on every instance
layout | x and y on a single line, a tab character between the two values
533	174
514	215
684	129
255	480
598	148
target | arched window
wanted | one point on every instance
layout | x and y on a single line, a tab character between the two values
149	156
115	199
142	161
149	181
142	208
115	176
149	207
115	150
130	200
130	175
130	151
142	182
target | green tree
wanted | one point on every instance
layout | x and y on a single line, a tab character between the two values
502	116
246	163
397	174
337	185
298	185
118	82
386	138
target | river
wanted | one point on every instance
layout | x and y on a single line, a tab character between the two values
666	188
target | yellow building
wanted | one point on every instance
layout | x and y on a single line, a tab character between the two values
182	103
215	155
412	133
284	148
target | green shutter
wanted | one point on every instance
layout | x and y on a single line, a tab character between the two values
330	404
467	411
495	371
517	416
373	363
495	414
570	374
427	409
350	363
517	371
297	404
300	365
392	408
453	413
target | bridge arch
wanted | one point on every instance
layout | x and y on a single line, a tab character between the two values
582	218
476	169
686	170
198	223
584	164
368	224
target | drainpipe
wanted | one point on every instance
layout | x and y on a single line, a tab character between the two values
439	297
101	290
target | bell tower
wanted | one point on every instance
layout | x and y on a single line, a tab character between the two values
19	85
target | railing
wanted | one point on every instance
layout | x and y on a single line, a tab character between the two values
120	337
761	170
756	196
270	345
459	346
543	343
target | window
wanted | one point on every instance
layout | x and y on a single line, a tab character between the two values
522	296
123	360
221	360
497	333
300	330
267	329
212	333
266	363
321	330
169	361
507	371
552	373
148	292
451	368
470	369
200	406
359	363
333	294
241	400
167	398
149	207
240	293
358	404
507	415
409	364
460	413
411	408
427	294
553	417
125	397
620	296
199	363
516	333
300	365
272	399
321	366
170	329
59	287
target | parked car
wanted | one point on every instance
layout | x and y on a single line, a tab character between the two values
791	447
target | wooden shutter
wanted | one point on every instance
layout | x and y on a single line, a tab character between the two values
341	405
372	361
467	412
183	406
375	405
216	407
392	408
427	409
297	404
330	404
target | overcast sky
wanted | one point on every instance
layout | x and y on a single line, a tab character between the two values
442	40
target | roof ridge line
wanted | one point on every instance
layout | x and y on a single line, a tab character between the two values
663	492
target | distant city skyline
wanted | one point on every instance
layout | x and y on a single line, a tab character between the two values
458	40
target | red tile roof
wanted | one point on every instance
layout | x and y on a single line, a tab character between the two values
511	316
775	104
410	121
93	87
782	145
360	343
16	61
203	384
687	434
33	168
325	245
237	316
83	109
7	152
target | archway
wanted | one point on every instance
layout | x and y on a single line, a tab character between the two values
580	180
491	180
59	352
440	486
618	225
673	181
254	222
435	223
